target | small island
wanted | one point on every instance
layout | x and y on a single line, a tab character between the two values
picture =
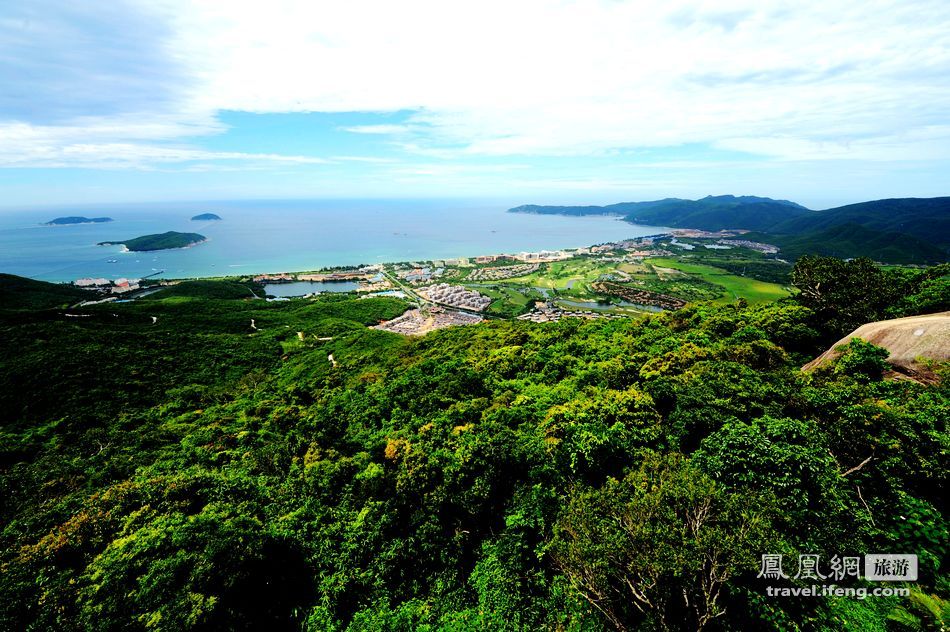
160	241
206	216
65	221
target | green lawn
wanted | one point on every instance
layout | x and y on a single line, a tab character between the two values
507	301
558	275
571	279
736	286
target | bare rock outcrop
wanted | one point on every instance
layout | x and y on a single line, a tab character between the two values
912	342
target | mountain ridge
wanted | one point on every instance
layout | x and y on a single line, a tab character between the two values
894	230
713	212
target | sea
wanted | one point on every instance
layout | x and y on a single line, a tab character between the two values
255	237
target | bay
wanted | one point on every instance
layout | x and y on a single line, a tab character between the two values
257	237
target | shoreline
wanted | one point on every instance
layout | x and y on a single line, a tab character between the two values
363	235
343	268
337	268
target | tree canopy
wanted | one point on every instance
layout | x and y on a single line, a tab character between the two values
193	472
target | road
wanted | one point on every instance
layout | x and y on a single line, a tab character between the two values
421	301
408	290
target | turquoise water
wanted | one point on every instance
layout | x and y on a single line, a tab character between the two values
284	236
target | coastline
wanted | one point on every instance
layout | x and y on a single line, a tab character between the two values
302	236
330	269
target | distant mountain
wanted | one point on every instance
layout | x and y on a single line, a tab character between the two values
709	213
852	240
621	209
905	230
160	241
564	210
205	216
718	212
64	221
927	219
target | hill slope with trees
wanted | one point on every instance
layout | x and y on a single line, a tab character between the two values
899	231
708	213
166	465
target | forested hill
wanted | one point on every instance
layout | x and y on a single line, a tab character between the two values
18	292
65	221
708	213
160	241
205	460
904	230
852	240
927	219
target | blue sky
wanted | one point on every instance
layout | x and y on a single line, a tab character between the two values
587	101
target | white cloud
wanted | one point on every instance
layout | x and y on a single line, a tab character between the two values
784	78
536	77
442	169
378	129
921	143
111	145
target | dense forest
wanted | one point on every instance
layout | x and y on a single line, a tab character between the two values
900	230
713	212
205	460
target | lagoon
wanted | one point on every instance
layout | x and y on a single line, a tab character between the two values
303	288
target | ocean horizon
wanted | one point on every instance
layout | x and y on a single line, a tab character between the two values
260	237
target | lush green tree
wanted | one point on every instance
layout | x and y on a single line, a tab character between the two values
790	459
596	436
659	547
180	473
843	294
862	360
198	571
847	294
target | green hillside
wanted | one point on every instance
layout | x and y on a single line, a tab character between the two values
709	213
927	219
208	289
854	240
898	231
193	463
21	293
717	213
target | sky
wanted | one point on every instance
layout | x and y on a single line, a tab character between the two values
589	101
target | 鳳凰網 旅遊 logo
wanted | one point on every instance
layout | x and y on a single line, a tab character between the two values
801	579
